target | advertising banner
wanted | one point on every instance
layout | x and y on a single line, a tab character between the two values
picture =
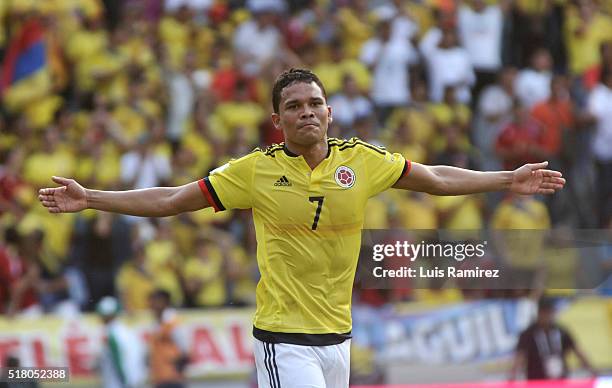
475	332
219	343
589	383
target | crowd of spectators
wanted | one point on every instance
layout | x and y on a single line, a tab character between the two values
144	93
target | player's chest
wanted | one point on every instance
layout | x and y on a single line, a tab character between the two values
331	195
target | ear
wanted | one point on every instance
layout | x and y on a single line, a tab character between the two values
276	121
329	114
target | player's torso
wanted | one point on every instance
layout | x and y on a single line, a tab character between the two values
327	199
308	224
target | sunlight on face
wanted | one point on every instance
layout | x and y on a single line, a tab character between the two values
303	114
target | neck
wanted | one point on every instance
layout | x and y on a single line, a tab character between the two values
545	325
313	154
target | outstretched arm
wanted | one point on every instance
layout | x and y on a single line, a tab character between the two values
584	361
71	197
447	180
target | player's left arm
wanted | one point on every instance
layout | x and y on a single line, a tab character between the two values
585	361
571	343
532	178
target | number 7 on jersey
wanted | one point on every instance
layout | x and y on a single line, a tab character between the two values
318	213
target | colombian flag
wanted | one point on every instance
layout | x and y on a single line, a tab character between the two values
25	75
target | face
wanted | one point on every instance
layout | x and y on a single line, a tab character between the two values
157	305
350	86
419	91
202	249
404	132
542	61
449	38
559	88
385	31
449	95
452	135
478	5
265	18
507	78
303	114
520	113
546	317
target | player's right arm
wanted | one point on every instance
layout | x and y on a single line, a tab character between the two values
71	197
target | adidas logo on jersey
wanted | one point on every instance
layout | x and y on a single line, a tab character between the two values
283	181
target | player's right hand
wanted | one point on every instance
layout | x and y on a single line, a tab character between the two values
68	198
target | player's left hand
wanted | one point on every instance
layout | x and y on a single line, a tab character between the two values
534	178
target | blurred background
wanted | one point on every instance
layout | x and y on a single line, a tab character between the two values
138	93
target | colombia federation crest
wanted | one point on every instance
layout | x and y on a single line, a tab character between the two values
345	177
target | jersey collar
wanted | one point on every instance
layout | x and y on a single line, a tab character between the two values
293	155
289	153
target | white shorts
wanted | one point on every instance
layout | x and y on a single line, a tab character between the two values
298	366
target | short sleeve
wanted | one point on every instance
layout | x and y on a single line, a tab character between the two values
595	104
384	168
231	185
370	52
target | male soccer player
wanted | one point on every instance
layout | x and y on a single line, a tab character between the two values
308	197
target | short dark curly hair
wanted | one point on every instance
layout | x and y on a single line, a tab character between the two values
290	77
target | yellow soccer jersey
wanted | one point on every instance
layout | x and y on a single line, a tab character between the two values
308	225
